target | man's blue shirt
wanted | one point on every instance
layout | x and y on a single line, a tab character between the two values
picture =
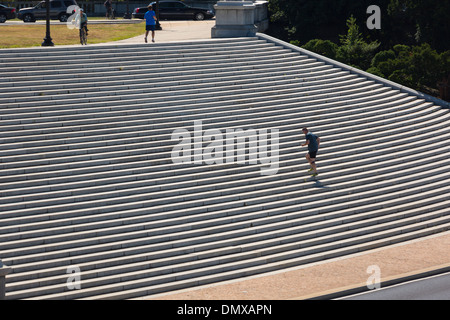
312	146
149	18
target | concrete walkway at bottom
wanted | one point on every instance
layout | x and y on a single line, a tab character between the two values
177	31
331	278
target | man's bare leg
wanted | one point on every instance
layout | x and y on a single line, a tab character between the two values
312	163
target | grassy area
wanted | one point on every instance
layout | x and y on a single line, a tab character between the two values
30	35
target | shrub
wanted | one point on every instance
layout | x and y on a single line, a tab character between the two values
326	48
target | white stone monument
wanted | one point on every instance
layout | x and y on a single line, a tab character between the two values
234	19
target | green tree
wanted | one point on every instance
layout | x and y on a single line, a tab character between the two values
304	20
323	47
418	67
409	22
354	50
413	37
421	21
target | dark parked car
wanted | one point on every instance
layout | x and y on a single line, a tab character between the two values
7	13
58	10
175	10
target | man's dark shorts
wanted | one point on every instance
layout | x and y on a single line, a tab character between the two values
312	154
150	27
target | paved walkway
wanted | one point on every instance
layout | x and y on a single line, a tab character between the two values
396	263
177	31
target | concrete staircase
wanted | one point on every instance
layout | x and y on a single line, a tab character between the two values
87	178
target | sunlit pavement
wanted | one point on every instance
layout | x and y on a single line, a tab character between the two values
177	31
172	30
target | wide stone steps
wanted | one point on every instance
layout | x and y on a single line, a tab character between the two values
70	200
87	178
168	99
144	278
36	239
53	153
143	131
136	85
94	141
171	65
140	57
181	95
62	56
170	74
54	128
100	162
96	217
36	200
438	202
152	136
106	51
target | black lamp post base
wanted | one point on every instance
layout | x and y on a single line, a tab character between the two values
47	42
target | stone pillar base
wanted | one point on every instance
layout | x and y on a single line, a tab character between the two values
234	19
231	31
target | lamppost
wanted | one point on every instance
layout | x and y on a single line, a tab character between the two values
47	40
158	25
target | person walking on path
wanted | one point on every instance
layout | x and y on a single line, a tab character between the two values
81	20
108	7
313	143
150	23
